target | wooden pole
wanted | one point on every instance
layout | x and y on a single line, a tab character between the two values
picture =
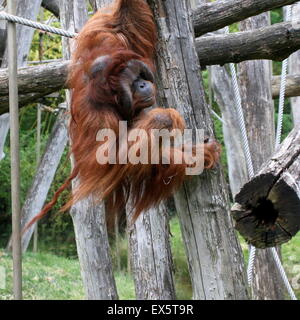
15	157
38	159
38	129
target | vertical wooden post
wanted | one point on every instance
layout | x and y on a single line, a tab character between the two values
294	67
258	108
15	158
88	218
214	254
38	128
38	159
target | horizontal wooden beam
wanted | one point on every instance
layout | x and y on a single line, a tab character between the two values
276	42
292	86
34	83
216	15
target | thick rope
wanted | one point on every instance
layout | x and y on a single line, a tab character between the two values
242	125
36	25
252	255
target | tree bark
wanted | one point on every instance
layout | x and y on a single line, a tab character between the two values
98	4
151	258
216	15
93	250
26	9
3	32
34	83
39	189
292	86
224	96
294	69
214	254
274	42
258	107
222	86
88	218
267	209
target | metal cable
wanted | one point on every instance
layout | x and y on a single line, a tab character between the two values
36	25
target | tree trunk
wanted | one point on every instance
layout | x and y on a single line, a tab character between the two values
88	218
93	250
151	258
98	4
214	254
255	87
37	194
274	42
294	68
26	9
34	83
267	211
224	96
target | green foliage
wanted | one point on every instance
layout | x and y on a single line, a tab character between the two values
51	43
276	16
182	278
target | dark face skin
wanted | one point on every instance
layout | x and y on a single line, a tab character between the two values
143	95
136	88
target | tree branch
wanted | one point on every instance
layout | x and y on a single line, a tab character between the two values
292	86
34	82
213	16
276	43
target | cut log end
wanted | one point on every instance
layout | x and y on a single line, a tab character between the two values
267	212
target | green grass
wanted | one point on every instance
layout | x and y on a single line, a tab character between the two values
49	277
291	260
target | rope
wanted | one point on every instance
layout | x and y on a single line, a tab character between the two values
283	274
250	268
282	89
241	121
36	25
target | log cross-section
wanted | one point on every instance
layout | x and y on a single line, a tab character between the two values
267	209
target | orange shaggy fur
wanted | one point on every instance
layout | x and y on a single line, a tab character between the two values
124	31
